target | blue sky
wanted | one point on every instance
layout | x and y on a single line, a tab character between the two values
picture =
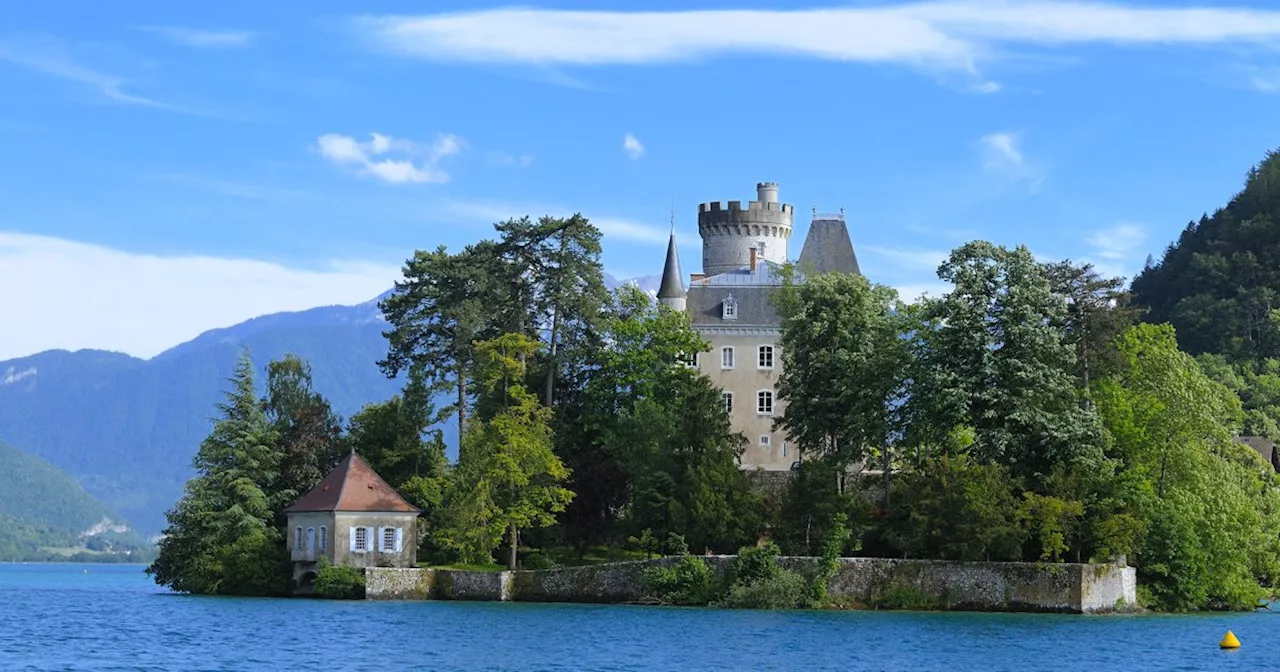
173	167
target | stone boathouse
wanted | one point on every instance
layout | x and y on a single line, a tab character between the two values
354	519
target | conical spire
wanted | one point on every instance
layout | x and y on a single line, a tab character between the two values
672	287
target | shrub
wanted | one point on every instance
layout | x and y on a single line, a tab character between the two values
755	563
537	561
689	581
783	590
339	583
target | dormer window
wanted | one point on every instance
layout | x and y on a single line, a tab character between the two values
729	308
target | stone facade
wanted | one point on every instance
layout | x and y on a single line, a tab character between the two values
961	586
730	233
742	384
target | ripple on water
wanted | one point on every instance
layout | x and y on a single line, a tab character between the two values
56	617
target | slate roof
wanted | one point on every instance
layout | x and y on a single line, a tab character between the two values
672	286
353	486
1265	448
828	249
752	291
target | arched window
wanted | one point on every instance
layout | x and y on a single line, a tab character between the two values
729	308
324	538
764	402
297	538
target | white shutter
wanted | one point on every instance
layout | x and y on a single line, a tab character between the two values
380	544
399	539
352	530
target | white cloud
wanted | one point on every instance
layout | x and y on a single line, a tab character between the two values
1000	151
612	228
49	56
912	258
987	87
345	150
521	161
950	34
1118	242
632	146
203	39
73	295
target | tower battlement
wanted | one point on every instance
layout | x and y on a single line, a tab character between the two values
730	231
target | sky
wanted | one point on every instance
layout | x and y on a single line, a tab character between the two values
174	167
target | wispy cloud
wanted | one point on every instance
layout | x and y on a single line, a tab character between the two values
231	188
1003	156
50	57
632	146
914	259
346	150
1121	241
987	87
76	295
613	228
949	34
203	39
504	159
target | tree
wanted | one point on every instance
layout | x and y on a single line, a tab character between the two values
310	432
1098	311
222	537
1207	503
989	357
508	478
844	366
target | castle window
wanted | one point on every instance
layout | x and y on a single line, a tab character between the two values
728	402
324	538
311	539
729	308
764	440
389	539
360	539
784	448
765	359
764	402
726	357
297	538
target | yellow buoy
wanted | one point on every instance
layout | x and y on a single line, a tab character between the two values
1229	641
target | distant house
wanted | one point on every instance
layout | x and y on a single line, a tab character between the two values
1265	448
354	519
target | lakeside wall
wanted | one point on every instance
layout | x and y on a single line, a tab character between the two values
968	586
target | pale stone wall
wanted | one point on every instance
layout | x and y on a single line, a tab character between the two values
973	586
729	233
744	381
313	520
341	540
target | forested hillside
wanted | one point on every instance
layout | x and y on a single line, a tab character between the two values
41	507
1218	284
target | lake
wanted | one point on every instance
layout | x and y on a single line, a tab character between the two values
111	617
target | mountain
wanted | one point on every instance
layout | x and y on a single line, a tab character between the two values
42	507
1219	282
126	428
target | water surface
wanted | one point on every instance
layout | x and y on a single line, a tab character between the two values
103	617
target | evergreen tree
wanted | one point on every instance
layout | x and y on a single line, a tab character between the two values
222	537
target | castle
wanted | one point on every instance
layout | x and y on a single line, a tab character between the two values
729	304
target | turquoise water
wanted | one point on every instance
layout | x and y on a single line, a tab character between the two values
96	617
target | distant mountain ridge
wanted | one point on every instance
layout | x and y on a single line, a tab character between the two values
126	428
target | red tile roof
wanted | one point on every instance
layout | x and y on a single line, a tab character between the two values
353	486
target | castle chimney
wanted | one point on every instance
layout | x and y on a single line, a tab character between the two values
694	277
753	260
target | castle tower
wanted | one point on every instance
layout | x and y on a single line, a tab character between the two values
671	292
827	248
729	234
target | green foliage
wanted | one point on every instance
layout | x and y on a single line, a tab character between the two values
1206	503
1219	283
757	581
844	365
905	597
1051	521
954	508
339	583
508	478
837	538
812	503
686	582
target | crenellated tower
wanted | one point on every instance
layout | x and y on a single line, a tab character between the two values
730	233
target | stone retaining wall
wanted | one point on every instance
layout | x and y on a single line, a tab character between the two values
975	586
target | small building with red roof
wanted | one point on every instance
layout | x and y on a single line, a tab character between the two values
354	519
